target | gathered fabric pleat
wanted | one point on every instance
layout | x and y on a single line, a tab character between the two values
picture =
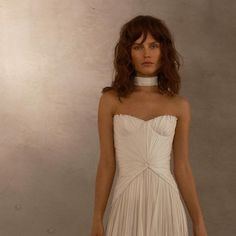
147	207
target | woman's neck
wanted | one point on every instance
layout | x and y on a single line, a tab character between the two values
146	84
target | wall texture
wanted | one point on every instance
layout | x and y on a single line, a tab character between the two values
55	57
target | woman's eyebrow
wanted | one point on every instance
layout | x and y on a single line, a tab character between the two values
149	43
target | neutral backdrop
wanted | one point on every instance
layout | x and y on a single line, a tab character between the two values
55	58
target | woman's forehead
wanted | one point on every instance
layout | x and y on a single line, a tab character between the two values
149	39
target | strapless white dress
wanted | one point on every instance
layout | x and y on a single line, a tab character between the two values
146	199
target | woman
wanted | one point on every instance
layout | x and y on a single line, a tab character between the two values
142	121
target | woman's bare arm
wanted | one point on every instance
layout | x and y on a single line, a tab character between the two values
182	168
106	166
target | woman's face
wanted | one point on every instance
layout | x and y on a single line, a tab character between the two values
149	51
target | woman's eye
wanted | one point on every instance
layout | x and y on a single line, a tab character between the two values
155	45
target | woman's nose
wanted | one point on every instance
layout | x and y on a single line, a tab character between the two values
146	52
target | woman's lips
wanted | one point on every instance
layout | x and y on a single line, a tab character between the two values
147	64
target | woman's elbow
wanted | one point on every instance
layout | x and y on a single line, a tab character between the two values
107	162
183	168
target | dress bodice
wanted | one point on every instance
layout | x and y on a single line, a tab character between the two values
141	144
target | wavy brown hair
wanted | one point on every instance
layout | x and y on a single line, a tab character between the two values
168	76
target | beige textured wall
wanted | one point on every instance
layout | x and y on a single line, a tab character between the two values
55	56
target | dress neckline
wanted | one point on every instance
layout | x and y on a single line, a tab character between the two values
151	119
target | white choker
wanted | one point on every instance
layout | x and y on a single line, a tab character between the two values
146	81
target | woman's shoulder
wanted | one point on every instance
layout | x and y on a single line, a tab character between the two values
180	99
109	94
181	104
109	98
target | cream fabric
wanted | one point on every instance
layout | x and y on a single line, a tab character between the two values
146	200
